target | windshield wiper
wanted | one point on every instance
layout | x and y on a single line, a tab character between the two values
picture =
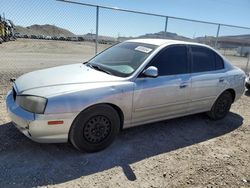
99	68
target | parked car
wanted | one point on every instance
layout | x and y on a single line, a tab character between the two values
26	36
18	35
61	38
55	38
80	38
41	37
33	37
132	83
243	51
48	37
72	38
248	82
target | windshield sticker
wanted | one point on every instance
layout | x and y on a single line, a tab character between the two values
143	49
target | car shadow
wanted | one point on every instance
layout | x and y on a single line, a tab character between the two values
24	163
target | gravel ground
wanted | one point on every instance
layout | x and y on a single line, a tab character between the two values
192	151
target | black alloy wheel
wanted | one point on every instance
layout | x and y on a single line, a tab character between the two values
221	106
95	128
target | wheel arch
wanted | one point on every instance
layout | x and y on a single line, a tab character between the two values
212	113
117	109
75	130
232	92
120	113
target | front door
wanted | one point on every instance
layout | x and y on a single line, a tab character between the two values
167	95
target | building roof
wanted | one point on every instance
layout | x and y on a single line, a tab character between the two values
160	42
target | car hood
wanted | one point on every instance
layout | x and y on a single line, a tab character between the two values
62	75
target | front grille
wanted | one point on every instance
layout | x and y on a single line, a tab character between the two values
14	94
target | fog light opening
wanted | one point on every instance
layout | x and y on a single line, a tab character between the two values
29	134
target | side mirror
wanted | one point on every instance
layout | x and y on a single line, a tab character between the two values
150	72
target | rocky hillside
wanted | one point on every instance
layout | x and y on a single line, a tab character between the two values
159	35
46	30
165	35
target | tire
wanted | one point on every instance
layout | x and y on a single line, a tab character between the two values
247	86
95	128
221	106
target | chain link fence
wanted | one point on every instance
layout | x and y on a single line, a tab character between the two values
116	25
102	27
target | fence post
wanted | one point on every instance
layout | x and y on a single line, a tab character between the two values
166	26
246	71
97	28
217	35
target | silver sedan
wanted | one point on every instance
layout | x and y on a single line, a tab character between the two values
132	83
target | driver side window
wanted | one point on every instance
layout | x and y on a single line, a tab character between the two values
171	61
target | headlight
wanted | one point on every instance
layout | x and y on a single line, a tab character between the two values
32	104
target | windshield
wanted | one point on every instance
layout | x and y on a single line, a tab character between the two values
122	59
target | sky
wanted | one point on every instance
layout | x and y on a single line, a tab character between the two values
82	19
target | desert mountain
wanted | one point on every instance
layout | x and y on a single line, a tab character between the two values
46	30
165	35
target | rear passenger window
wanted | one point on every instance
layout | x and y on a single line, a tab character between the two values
219	63
203	59
172	60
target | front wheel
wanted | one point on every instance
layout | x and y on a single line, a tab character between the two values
221	106
95	128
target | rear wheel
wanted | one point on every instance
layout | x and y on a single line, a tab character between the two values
221	106
95	128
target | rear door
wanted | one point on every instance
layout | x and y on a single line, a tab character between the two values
207	78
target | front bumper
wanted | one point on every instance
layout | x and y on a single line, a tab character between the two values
247	83
36	126
248	80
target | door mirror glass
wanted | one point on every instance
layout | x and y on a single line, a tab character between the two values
150	72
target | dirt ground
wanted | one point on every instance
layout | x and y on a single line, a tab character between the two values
192	151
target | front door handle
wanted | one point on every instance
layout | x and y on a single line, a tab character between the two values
183	85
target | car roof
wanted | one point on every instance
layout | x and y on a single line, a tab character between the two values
160	42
